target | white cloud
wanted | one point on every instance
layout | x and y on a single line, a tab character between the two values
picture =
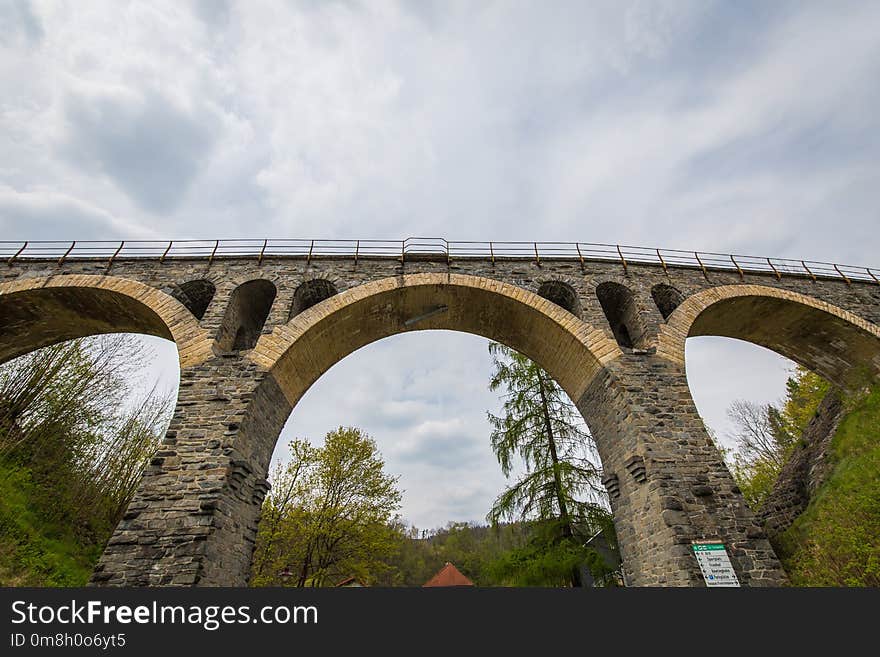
44	214
749	127
18	24
151	149
427	415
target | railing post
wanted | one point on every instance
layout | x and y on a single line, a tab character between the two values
167	249
66	253
311	248
662	262
871	274
622	259
17	253
116	253
211	257
492	253
842	275
262	251
778	275
702	266
812	275
580	255
537	257
357	248
738	269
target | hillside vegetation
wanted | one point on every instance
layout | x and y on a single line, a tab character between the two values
72	449
836	541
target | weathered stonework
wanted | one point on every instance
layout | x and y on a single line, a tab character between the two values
805	471
618	353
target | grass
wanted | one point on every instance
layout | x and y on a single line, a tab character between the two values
34	551
836	541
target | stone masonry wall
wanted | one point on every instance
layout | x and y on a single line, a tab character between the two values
193	519
673	485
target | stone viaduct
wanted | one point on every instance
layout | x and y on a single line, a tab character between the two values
254	329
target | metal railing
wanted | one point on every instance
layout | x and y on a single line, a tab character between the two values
422	248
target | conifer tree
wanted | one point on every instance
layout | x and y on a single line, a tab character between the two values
561	485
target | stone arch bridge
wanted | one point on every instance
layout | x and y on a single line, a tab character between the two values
256	323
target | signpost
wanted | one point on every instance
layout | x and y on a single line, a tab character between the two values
715	564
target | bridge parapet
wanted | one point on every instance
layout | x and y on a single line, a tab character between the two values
430	249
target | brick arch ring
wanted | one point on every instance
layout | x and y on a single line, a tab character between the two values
37	312
822	337
299	352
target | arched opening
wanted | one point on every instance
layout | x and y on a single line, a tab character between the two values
38	312
310	293
298	354
562	294
796	439
667	298
80	421
196	296
39	318
620	308
88	382
827	340
751	373
438	444
245	315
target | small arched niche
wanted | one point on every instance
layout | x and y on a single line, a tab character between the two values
620	308
195	295
562	294
667	298
310	293
245	315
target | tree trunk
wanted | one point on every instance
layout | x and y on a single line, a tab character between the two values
567	530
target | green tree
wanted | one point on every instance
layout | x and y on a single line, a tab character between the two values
73	444
540	426
545	560
473	549
331	514
766	435
834	542
803	393
280	532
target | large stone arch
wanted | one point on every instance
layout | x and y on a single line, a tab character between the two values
299	352
831	341
240	404
194	518
41	311
294	355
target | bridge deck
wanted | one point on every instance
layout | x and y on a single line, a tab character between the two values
428	249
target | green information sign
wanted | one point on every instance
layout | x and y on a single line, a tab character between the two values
715	564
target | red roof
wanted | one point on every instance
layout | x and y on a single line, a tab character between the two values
351	581
448	575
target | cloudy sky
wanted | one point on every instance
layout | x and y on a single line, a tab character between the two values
744	127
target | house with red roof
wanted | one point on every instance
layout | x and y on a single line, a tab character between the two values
449	575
